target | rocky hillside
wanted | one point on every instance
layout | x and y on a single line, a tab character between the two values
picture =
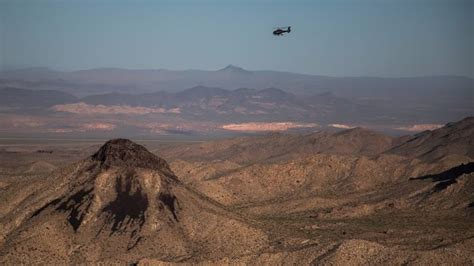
129	205
453	139
277	146
281	168
329	198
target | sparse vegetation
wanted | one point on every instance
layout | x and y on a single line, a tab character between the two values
354	197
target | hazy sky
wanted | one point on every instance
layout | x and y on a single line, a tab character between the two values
337	38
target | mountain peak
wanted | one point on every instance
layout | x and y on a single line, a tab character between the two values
234	69
126	153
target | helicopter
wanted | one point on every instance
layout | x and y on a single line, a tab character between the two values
280	30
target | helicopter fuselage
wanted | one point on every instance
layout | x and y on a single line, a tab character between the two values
279	31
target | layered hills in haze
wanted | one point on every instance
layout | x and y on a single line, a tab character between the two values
227	101
230	77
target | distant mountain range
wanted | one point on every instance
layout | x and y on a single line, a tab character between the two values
249	105
30	98
104	80
197	100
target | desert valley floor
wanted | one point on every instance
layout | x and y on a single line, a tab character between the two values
350	197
